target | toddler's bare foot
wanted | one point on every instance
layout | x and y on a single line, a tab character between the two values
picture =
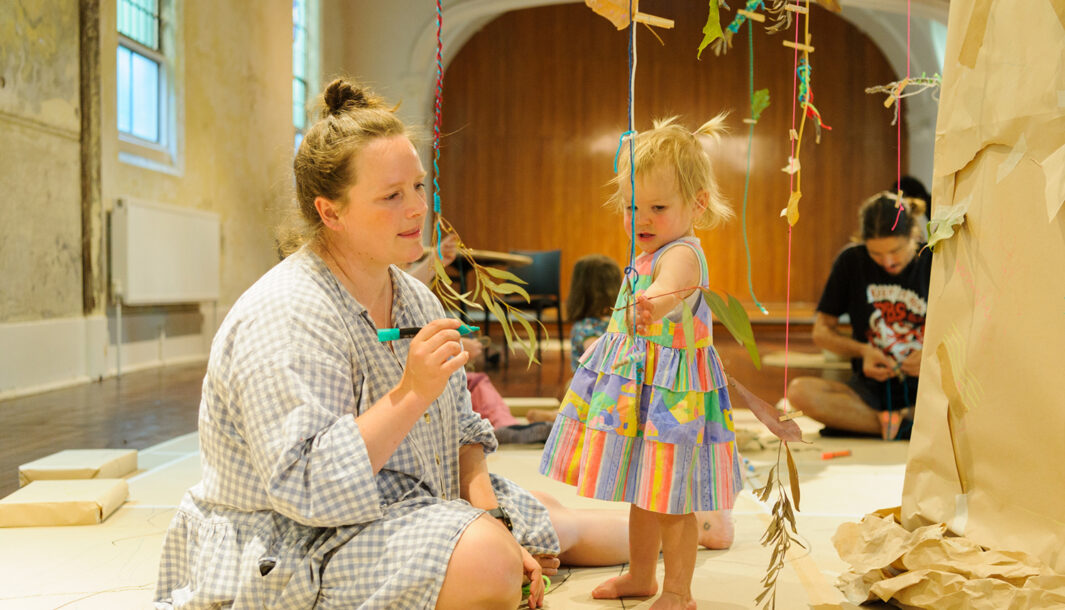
625	586
715	529
673	601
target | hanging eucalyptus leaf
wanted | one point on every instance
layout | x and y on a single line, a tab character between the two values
734	318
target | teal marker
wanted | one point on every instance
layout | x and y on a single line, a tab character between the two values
392	334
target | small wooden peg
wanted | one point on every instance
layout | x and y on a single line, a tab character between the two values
802	47
759	17
789	416
795	8
750	121
794	135
651	20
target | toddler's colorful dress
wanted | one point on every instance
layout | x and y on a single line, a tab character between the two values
641	422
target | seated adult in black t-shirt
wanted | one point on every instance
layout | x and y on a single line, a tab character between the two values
882	284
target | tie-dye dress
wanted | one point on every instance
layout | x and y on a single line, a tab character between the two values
641	422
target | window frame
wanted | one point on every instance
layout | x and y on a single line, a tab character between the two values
163	155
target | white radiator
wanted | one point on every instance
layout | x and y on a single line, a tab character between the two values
163	254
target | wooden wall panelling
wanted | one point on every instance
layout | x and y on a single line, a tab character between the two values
534	104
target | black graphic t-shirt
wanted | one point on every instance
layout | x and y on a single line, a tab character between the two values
886	310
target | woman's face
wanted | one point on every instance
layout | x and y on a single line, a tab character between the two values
382	223
892	253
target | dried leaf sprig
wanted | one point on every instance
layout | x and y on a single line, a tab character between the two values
905	88
490	287
781	531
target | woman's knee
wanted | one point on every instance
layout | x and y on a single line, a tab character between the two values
485	569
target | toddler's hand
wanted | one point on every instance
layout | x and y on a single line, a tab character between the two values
643	312
435	353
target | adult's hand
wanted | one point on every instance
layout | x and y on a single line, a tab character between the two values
435	353
531	567
548	564
911	366
449	249
876	364
473	347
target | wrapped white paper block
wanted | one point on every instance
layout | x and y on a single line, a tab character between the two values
48	503
80	464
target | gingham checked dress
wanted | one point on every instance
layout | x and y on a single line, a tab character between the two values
287	479
644	423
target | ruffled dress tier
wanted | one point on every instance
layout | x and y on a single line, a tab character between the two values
643	422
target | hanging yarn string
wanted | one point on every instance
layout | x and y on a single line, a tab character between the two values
898	128
791	188
438	101
630	269
806	98
747	176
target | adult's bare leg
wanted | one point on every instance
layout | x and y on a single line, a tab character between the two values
588	537
833	404
716	530
484	571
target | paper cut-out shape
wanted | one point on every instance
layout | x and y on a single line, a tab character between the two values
944	220
617	12
712	29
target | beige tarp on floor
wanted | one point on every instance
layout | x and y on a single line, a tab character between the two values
988	447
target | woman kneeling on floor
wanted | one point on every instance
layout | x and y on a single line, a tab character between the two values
338	470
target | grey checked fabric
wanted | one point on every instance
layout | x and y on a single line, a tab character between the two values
287	480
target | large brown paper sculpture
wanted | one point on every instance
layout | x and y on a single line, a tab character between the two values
987	456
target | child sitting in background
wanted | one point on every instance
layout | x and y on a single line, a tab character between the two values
592	291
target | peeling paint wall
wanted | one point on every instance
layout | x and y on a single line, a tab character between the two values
235	158
231	92
233	98
40	192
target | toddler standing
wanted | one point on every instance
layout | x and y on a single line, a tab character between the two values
642	422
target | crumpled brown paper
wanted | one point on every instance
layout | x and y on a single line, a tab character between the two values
929	568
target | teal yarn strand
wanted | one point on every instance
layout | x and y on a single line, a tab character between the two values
747	176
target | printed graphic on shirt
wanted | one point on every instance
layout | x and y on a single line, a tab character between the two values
896	325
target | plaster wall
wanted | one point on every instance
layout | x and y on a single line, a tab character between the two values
231	153
40	196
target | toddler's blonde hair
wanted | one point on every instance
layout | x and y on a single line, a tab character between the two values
672	144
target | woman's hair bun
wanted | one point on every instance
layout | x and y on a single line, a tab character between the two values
341	96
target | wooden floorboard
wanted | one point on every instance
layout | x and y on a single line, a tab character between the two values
144	408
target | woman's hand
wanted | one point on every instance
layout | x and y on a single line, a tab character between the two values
911	366
876	364
531	567
435	353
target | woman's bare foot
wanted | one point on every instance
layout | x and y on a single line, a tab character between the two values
673	601
540	415
715	529
624	586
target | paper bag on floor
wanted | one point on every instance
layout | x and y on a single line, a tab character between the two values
987	448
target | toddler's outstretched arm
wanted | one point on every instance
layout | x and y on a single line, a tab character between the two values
676	276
